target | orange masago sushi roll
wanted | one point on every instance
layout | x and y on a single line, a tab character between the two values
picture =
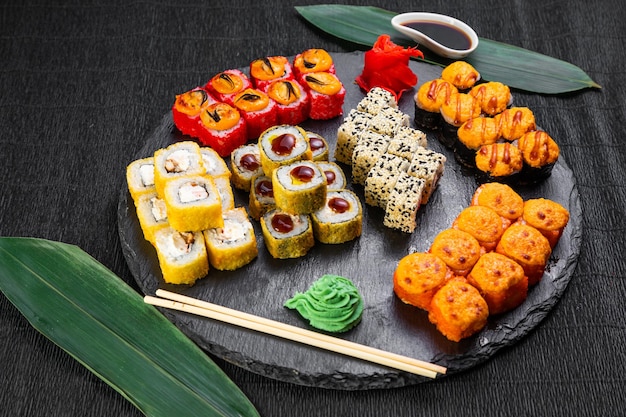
223	128
327	95
418	276
312	60
528	247
292	101
227	84
258	110
264	71
187	108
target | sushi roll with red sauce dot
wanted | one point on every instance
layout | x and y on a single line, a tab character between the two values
327	95
292	101
257	109
264	71
187	108
223	128
227	84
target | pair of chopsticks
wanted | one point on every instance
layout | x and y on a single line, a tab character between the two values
190	305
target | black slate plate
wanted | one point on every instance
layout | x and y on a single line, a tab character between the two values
262	287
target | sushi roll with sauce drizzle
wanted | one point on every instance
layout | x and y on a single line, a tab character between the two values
492	97
261	198
539	154
182	256
282	145
457	110
180	159
428	101
234	244
515	122
473	134
299	188
287	235
257	109
312	60
245	162
193	203
187	109
223	128
327	95
340	219
501	162
140	177
461	75
319	146
335	177
264	71
227	84
293	103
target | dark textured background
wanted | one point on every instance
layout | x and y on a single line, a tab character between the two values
83	83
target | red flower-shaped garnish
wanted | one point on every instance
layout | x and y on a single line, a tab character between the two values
387	66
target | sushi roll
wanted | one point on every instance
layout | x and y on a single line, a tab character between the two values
245	163
428	101
501	282
299	188
225	191
152	215
283	145
293	103
376	100
348	134
500	162
264	71
214	164
234	244
405	199
528	247
182	256
366	153
257	109
227	84
458	109
458	249
319	146
287	235
180	159
193	204
335	177
389	120
547	216
492	97
458	310
483	223
539	154
140	177
417	278
501	198
187	108
340	219
312	60
473	134
261	197
411	136
429	166
515	122
382	178
222	128
460	74
327	95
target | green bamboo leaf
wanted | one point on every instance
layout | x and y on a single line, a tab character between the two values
98	319
516	67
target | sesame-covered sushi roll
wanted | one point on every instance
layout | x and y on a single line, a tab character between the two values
223	128
429	166
179	159
501	198
261	199
377	99
182	256
234	244
500	280
539	154
501	162
287	235
214	164
318	145
282	145
257	109
227	84
458	310
293	103
340	219
458	249
460	74
348	134
381	179
264	71
327	95
457	110
515	122
492	97
428	101
152	215
335	177
547	216
418	276
483	223
193	203
403	203
245	163
528	247
366	153
140	177
473	134
312	60
299	188
187	108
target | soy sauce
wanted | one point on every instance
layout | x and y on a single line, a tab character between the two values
446	35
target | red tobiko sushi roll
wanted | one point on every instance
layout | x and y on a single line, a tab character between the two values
223	128
227	84
312	60
187	108
327	95
258	110
264	71
292	101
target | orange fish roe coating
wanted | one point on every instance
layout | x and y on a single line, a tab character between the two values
479	131
459	109
460	74
458	249
538	149
458	310
515	122
493	97
500	280
432	94
528	247
499	160
417	278
483	223
501	198
547	216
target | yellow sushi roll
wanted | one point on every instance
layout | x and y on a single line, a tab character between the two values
233	245
299	188
180	159
287	235
140	177
261	196
214	164
340	220
193	203
245	162
152	215
282	145
182	256
318	145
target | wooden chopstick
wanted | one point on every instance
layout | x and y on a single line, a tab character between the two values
205	309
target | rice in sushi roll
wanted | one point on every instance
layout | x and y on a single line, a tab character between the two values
227	84
261	199
258	110
182	256
335	177
327	95
340	219
152	215
492	97
319	146
264	71
187	108
287	235
140	177
223	128
403	203
428	101
299	188
366	154
348	134
382	178
214	164
225	191
245	163
234	244
293	103
376	100
193	203
539	154
283	145
179	159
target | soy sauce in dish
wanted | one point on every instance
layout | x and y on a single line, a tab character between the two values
448	36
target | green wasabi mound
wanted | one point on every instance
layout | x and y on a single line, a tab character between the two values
332	304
